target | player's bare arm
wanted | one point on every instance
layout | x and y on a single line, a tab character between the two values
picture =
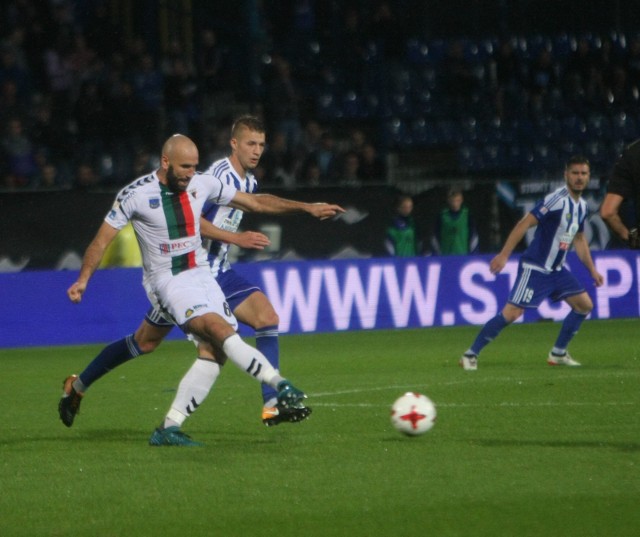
514	238
583	251
609	211
245	239
91	260
270	204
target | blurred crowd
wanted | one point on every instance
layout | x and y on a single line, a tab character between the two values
84	106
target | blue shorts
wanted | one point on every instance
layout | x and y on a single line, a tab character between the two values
533	285
235	288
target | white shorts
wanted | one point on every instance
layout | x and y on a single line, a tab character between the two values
190	294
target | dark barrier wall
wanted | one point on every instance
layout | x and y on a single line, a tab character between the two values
43	226
310	296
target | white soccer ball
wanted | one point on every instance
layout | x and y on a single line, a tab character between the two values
413	414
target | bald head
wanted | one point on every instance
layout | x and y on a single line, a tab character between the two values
178	146
178	162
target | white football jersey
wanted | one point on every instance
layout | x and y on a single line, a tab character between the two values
226	218
166	223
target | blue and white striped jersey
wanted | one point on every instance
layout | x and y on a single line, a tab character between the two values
226	218
560	217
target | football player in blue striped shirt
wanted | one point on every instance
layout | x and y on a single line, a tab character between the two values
559	220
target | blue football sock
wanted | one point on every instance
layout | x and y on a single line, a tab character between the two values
109	358
570	327
488	333
267	343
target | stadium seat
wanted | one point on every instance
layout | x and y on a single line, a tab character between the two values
624	127
469	158
423	133
350	105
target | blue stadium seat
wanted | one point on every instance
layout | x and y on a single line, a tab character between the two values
495	157
400	105
423	102
624	127
396	134
350	105
469	158
423	133
598	127
469	130
448	132
563	45
574	128
328	107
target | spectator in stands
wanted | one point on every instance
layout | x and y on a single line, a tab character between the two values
372	168
388	34
326	157
80	57
401	238
349	49
542	81
212	76
50	177
12	69
506	75
455	231
459	79
282	103
349	170
148	85
19	155
279	162
52	139
581	73
182	99
311	136
91	115
632	64
104	35
86	177
311	175
10	104
611	75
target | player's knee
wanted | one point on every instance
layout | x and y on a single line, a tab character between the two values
511	313
267	318
582	305
212	328
148	345
584	309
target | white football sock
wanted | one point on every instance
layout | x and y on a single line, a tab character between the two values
251	360
192	391
271	402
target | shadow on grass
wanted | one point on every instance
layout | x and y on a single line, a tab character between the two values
571	444
228	439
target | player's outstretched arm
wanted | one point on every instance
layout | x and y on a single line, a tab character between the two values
244	239
270	204
91	260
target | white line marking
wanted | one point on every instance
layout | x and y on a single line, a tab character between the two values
470	405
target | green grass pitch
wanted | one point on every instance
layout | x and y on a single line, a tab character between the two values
519	448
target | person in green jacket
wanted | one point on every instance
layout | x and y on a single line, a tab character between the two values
401	238
455	231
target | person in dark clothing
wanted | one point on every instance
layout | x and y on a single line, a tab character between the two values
623	196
